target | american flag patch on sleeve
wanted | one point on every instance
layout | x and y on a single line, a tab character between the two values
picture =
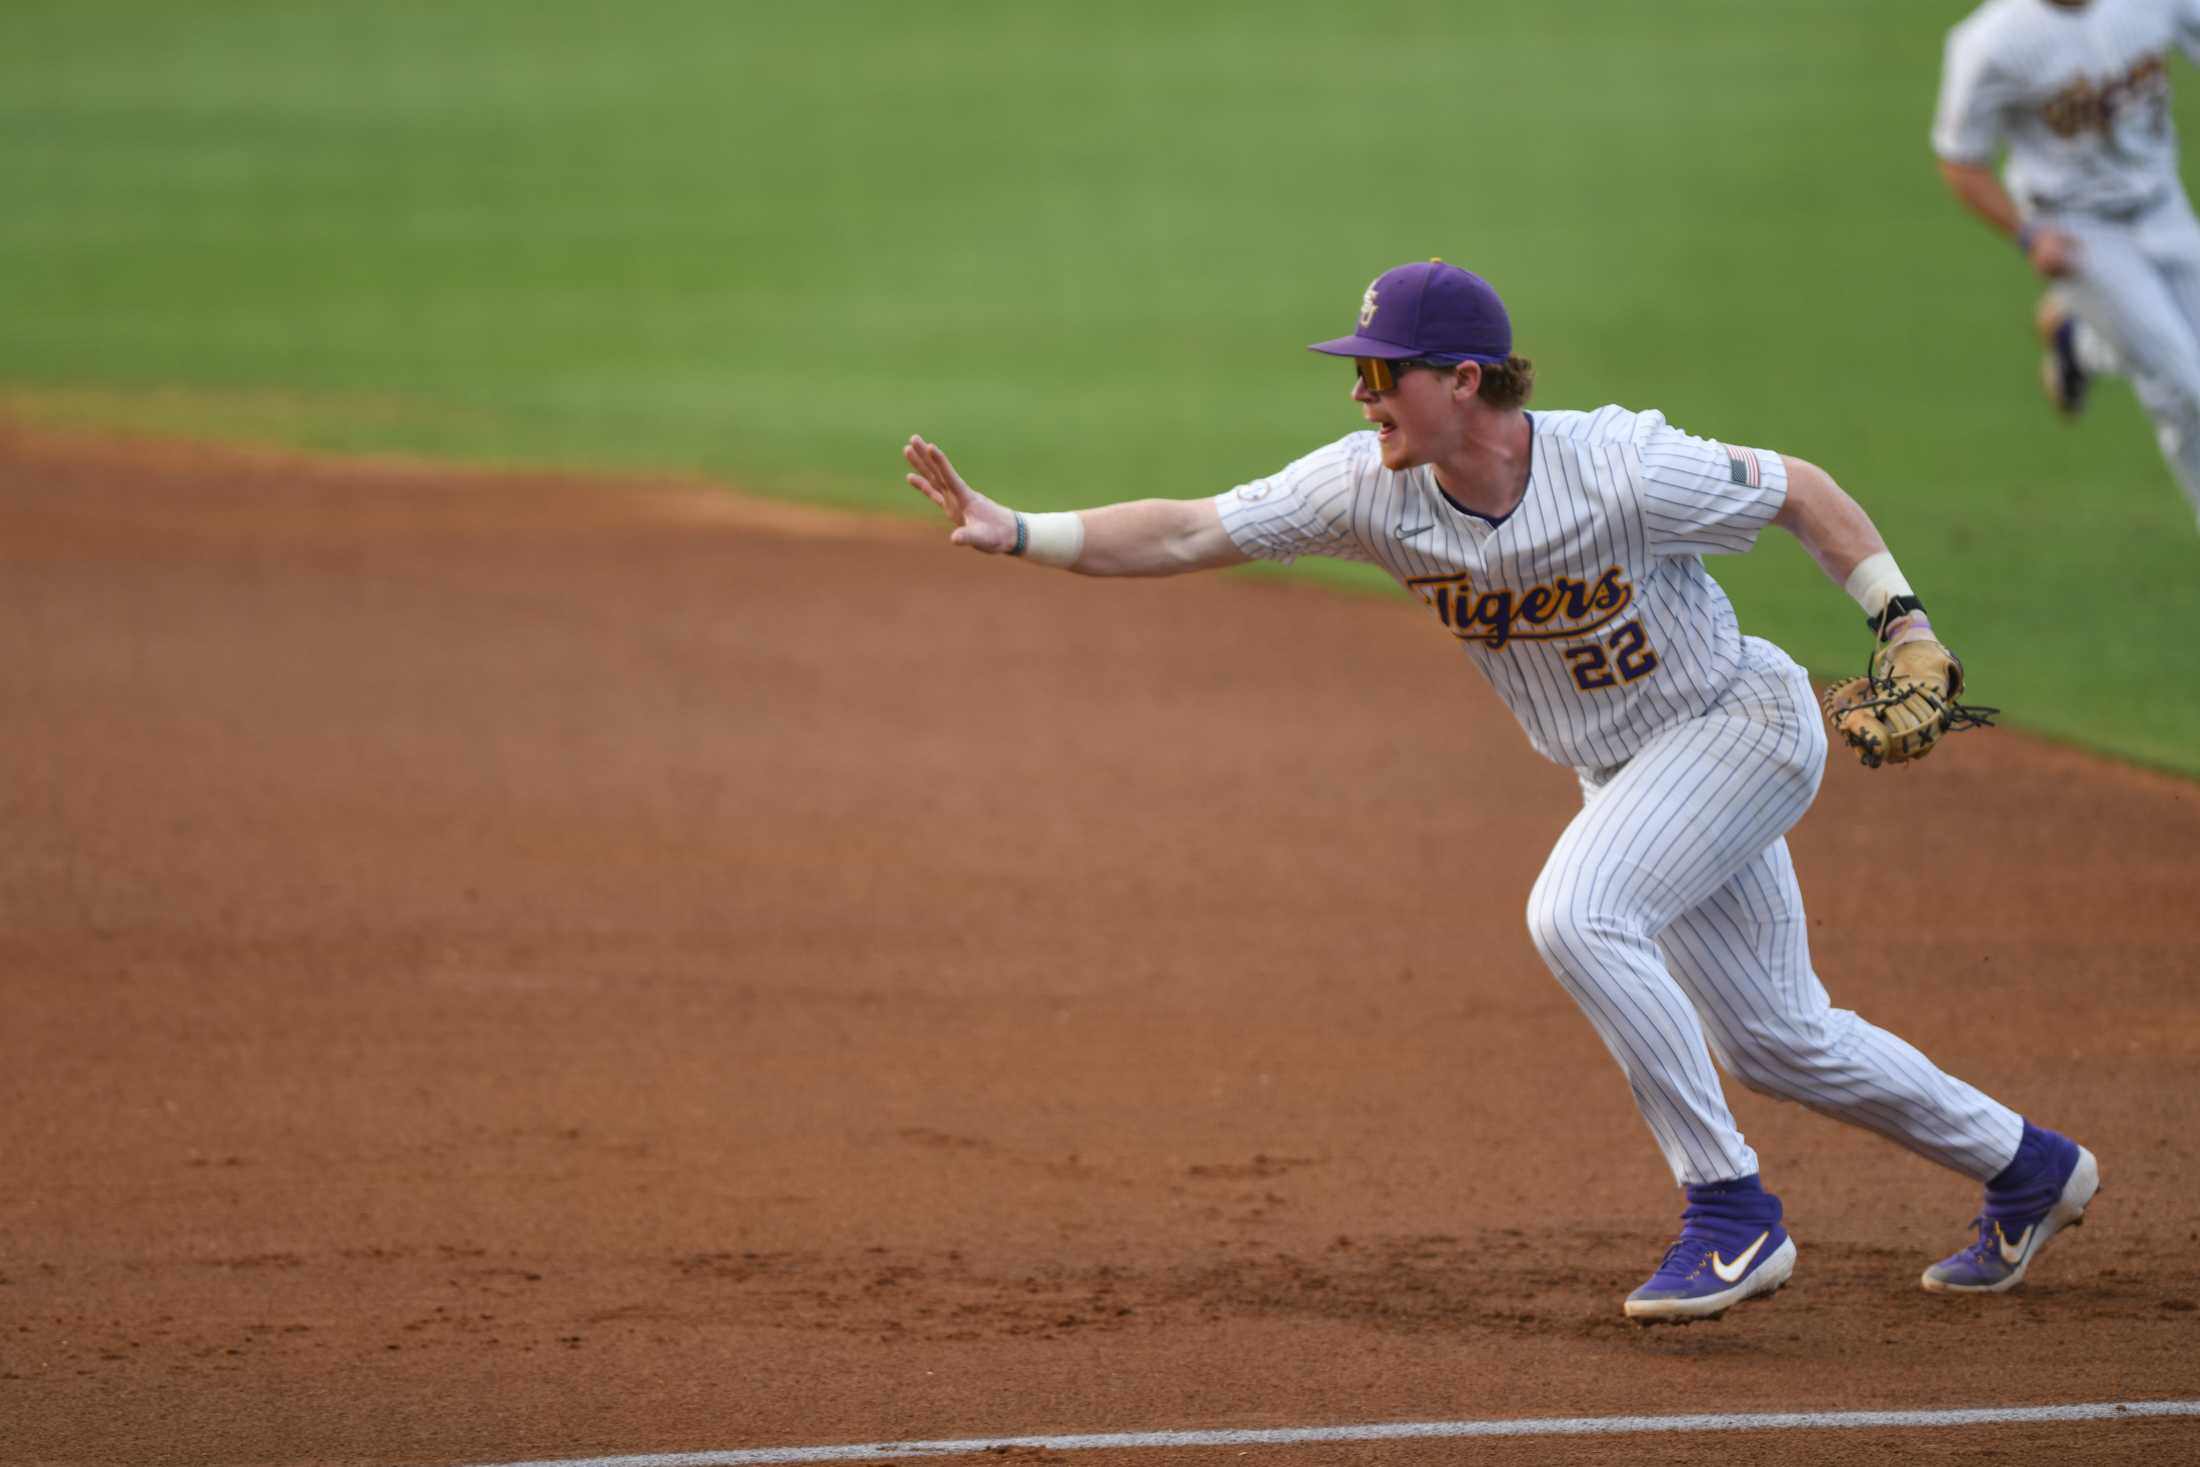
1741	467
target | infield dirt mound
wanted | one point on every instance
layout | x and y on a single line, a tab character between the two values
515	966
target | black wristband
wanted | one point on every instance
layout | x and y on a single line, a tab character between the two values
1896	608
1023	535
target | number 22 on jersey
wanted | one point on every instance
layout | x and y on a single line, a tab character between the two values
1620	658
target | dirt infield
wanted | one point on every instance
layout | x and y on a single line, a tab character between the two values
502	968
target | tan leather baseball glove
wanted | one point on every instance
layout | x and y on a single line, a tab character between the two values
1897	711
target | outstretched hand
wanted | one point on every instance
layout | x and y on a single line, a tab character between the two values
979	522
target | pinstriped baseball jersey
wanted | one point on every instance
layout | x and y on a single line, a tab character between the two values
2077	95
1588	607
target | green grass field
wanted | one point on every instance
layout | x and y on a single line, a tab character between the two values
1083	246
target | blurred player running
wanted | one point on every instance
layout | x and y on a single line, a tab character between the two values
1562	550
2075	93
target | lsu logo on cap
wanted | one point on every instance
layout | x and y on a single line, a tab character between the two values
1367	303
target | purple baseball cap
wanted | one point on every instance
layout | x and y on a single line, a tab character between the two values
1428	310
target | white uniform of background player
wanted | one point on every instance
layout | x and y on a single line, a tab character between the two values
1561	551
2078	97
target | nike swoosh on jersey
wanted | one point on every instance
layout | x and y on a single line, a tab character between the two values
1405	534
1732	1272
2013	1253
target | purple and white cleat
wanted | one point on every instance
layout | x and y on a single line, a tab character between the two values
1731	1248
2043	1191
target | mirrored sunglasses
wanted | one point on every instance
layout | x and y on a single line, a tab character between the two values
1380	375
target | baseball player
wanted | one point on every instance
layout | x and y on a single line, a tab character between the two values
1562	552
2074	92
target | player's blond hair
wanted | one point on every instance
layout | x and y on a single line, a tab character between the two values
1508	386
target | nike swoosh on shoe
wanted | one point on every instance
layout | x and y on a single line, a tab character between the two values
1732	1272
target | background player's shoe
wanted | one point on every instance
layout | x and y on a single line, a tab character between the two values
1731	1248
2062	376
2043	1191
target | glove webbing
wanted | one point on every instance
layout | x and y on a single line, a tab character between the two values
1959	716
1886	693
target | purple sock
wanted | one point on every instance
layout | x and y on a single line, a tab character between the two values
2030	1183
1744	1199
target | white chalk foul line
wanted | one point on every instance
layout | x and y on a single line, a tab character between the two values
1287	1436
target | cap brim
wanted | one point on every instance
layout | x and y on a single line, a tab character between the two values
1365	346
1390	351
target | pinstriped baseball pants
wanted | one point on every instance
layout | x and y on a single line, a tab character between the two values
1670	911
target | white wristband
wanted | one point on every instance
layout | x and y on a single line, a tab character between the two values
1050	539
1875	580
